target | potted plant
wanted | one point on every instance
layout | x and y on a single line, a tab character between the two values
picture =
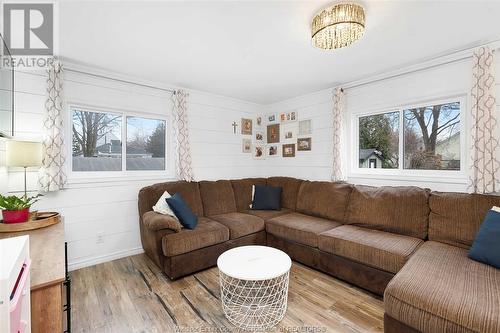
16	209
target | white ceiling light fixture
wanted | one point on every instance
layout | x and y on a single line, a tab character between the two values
338	26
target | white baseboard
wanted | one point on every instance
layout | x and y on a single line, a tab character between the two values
86	262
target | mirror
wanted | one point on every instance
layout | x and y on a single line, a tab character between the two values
6	91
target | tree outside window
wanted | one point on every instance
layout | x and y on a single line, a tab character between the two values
96	141
145	144
432	137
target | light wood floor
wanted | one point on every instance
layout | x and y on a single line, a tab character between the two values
133	295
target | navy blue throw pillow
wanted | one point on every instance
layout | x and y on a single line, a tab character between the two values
182	211
486	246
267	197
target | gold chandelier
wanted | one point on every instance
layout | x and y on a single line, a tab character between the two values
338	26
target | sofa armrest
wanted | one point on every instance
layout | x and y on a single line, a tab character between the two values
155	221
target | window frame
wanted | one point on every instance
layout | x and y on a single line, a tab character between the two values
441	176
123	174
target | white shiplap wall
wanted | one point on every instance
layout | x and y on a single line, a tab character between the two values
314	164
215	149
101	215
434	83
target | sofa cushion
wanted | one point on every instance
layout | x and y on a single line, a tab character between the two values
268	214
486	246
148	196
324	199
162	206
242	189
217	197
208	232
402	210
299	228
183	212
290	190
455	218
267	198
156	221
378	249
441	290
240	224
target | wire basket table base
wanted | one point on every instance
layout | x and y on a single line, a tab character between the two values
254	305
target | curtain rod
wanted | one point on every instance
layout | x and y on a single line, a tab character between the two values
495	45
118	80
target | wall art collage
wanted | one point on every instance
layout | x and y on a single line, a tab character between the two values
276	135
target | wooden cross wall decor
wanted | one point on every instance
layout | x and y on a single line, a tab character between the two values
235	125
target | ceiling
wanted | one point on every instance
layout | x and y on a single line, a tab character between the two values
260	51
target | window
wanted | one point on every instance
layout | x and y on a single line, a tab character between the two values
145	144
379	141
424	137
97	142
432	137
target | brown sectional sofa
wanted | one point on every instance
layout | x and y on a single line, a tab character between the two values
406	243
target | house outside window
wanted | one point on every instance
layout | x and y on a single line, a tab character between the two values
379	140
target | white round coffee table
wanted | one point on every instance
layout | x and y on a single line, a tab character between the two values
254	286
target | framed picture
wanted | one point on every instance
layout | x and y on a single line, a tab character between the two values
259	136
289	132
286	117
272	150
289	150
273	133
304	144
258	121
258	152
271	118
246	146
246	126
305	127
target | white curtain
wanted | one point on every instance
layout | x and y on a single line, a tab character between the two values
52	176
181	134
338	111
485	145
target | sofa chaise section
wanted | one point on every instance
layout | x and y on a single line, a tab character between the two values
441	290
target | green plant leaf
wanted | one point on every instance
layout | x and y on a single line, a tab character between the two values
13	202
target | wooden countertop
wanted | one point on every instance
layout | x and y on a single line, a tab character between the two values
47	254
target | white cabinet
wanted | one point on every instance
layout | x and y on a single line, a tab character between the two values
15	285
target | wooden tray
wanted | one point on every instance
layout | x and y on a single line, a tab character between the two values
37	220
